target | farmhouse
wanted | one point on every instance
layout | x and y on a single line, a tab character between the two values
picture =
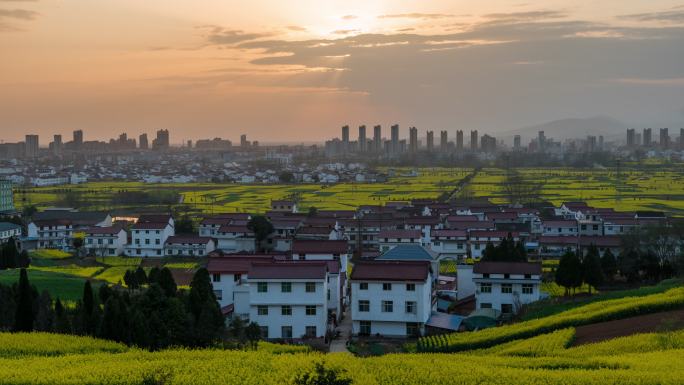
55	228
149	234
188	245
506	286
235	238
9	230
391	298
105	241
388	239
450	243
566	228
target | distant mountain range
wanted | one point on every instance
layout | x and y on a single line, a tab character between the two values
562	129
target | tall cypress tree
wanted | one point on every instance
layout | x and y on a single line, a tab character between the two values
23	320
166	282
88	310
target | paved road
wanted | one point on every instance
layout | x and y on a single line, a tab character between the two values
345	328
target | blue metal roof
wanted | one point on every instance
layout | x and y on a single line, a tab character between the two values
445	321
4	226
406	253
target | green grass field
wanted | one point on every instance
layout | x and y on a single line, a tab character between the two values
59	285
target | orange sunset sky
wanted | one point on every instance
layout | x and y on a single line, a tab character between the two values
297	70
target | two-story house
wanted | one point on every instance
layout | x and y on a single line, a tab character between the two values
105	241
560	228
188	246
450	244
506	286
149	234
391	298
388	239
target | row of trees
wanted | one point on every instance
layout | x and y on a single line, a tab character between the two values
10	257
153	317
507	251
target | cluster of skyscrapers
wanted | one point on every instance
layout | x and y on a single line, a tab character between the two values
395	146
646	139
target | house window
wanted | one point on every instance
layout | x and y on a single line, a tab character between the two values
262	310
528	276
506	288
310	309
311	287
236	277
485	288
412	329
485	305
311	331
363	286
507	276
386	286
506	308
527	288
411	307
286	287
485	275
410	287
387	306
264	331
365	327
286	310
218	294
364	305
262	287
286	332
216	277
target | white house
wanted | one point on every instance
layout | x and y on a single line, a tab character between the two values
105	241
289	299
55	228
235	238
189	246
506	286
326	250
391	298
388	239
9	230
563	228
450	243
149	234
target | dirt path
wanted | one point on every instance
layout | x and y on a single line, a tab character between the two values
641	324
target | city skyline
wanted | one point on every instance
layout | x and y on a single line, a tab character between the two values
297	72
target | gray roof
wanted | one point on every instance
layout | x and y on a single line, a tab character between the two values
407	253
445	321
4	226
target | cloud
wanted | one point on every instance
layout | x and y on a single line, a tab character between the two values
416	15
345	31
349	17
20	14
670	82
673	16
296	28
525	16
222	36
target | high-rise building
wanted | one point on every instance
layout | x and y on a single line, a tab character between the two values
664	138
541	141
78	139
516	142
6	197
646	137
430	141
488	143
637	139
394	137
31	146
345	137
56	146
631	137
681	138
362	138
413	139
377	138
473	140
459	140
443	141
142	142
244	143
600	143
161	142
591	143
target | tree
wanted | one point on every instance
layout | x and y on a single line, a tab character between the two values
153	276
28	211
62	324
131	280
8	306
45	314
569	272
261	227
609	265
166	282
185	226
88	316
9	255
286	177
320	375
140	276
592	273
253	333
24	312
313	211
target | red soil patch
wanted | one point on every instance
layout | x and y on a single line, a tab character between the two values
624	327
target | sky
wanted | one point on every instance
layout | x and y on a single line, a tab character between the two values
297	70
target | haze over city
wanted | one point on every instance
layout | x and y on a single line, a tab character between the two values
297	71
